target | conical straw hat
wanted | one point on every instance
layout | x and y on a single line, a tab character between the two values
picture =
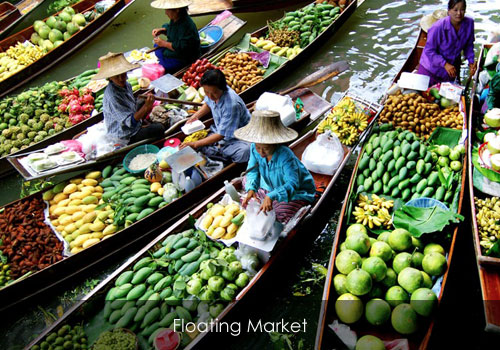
428	20
266	127
113	64
170	4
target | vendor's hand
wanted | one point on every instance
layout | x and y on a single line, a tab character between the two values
192	119
160	42
251	194
452	72
158	31
267	205
192	144
150	99
472	68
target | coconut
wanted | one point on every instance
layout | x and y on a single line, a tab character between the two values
489	136
144	83
495	162
494	145
492	117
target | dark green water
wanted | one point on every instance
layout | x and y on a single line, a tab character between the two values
375	42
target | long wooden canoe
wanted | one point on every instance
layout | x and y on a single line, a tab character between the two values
51	276
488	266
324	184
325	337
207	7
10	14
253	92
230	26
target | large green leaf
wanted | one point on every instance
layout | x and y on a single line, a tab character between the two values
423	220
445	136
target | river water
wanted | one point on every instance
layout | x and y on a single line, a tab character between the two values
375	42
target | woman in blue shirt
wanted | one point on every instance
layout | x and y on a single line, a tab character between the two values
275	175
182	46
229	113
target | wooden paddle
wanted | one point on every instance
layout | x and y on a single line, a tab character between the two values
172	100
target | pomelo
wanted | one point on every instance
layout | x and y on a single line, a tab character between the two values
44	31
65	16
376	267
382	250
66	36
443	150
339	282
495	161
347	260
400	240
51	22
434	247
349	308
369	342
396	295
72	28
47	45
401	261
55	35
423	301
37	25
384	236
61	26
426	280
372	240
358	242
79	20
416	260
69	10
417	243
359	282
410	279
377	312
58	42
390	278
35	38
434	264
356	228
404	319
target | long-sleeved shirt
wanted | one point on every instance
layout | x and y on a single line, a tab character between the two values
284	176
229	113
444	45
493	99
185	40
119	107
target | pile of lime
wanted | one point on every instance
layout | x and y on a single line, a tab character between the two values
66	338
388	278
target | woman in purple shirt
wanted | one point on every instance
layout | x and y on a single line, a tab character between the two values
446	40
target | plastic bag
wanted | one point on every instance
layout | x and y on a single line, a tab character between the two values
493	55
73	145
152	71
248	257
494	36
324	155
259	224
282	104
96	142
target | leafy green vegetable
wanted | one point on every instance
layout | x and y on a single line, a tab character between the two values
424	220
58	5
494	251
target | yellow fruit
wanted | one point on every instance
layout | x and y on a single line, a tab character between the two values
70	210
76	250
58	211
76	181
65	221
89	189
48	195
78	215
80	239
103	215
206	222
79	223
90	242
217	210
90	200
219	232
70	188
59	197
229	235
89	182
93	175
97	194
232	209
89	207
160	191
98	234
225	222
155	186
70	228
232	228
74	202
210	231
64	202
228	215
99	189
52	202
60	228
79	186
85	228
217	220
55	222
109	230
89	217
98	225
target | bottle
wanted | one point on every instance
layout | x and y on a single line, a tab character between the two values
189	184
231	191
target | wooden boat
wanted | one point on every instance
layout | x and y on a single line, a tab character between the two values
10	14
488	266
207	7
230	26
253	92
324	185
57	273
325	337
76	41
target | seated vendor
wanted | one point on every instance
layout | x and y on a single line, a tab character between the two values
124	121
182	46
276	177
493	98
229	113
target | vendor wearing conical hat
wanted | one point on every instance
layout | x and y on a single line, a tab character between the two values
182	46
275	175
446	39
124	121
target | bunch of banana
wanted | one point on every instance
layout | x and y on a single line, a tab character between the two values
488	217
373	212
360	121
223	222
347	105
195	136
4	274
140	55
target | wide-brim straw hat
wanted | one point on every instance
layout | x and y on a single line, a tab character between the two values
428	20
113	64
266	127
170	4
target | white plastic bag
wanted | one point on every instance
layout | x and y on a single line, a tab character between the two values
494	35
493	55
281	104
258	224
96	142
324	155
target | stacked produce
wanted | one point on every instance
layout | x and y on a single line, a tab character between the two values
395	163
285	49
4	273
27	242
191	93
66	338
488	215
223	221
77	103
387	278
241	70
17	57
192	76
195	136
187	278
346	120
373	212
414	113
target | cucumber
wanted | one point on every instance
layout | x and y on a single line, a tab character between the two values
132	217
128	305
